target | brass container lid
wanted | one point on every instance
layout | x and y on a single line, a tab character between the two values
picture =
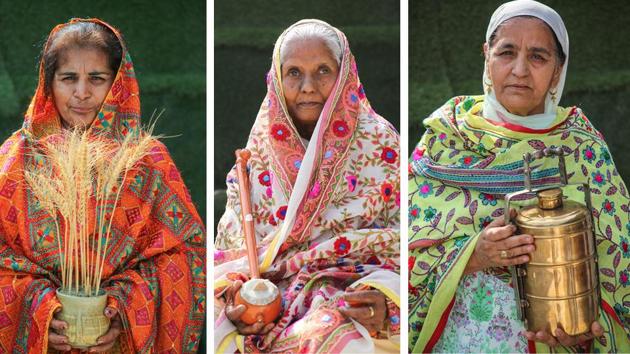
551	211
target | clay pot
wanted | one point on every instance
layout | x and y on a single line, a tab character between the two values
262	300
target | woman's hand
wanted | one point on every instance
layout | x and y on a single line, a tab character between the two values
564	339
56	340
368	307
233	313
107	340
497	247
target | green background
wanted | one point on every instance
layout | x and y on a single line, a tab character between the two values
445	60
245	33
169	55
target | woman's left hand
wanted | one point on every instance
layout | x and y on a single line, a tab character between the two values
561	338
107	340
368	308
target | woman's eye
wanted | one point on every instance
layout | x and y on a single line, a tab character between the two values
97	79
538	57
324	70
294	72
68	78
506	53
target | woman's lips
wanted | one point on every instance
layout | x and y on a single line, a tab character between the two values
81	110
518	87
309	105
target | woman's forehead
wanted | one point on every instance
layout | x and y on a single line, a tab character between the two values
310	48
82	55
530	30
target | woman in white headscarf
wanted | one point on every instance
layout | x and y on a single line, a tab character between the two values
460	290
323	180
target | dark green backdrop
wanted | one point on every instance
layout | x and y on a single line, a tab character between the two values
445	59
245	32
169	54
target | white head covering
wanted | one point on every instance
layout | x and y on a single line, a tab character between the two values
492	109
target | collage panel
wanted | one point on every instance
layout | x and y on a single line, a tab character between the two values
500	126
499	113
307	245
102	210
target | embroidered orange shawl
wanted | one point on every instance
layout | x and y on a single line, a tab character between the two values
154	268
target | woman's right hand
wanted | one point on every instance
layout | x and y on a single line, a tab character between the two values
497	247
233	313
55	340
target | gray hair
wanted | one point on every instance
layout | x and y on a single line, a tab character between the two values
313	30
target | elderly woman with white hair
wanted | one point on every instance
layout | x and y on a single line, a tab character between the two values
324	182
461	296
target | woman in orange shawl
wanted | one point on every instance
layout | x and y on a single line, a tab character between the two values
154	268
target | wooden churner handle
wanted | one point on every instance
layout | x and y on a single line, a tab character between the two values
246	211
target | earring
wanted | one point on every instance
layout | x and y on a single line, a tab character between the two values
487	84
553	92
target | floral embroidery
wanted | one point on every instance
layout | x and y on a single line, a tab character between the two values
598	178
483	222
605	155
625	247
361	92
352	182
340	128
624	278
425	189
417	154
373	260
414	212
429	214
342	246
269	192
500	328
589	154
315	190
442	136
281	212
272	220
488	199
389	155
280	132
609	207
621	311
264	178
386	191
466	161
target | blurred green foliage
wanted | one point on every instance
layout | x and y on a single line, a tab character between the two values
445	60
245	33
169	55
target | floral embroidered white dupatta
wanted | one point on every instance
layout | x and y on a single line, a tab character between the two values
326	217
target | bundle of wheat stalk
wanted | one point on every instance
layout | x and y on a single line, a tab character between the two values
78	181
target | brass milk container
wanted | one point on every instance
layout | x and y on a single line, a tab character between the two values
559	286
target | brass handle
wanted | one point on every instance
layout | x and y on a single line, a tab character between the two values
539	154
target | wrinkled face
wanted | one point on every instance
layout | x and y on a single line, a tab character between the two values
80	84
309	72
523	65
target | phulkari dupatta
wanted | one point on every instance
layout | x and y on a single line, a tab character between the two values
154	269
326	218
459	174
